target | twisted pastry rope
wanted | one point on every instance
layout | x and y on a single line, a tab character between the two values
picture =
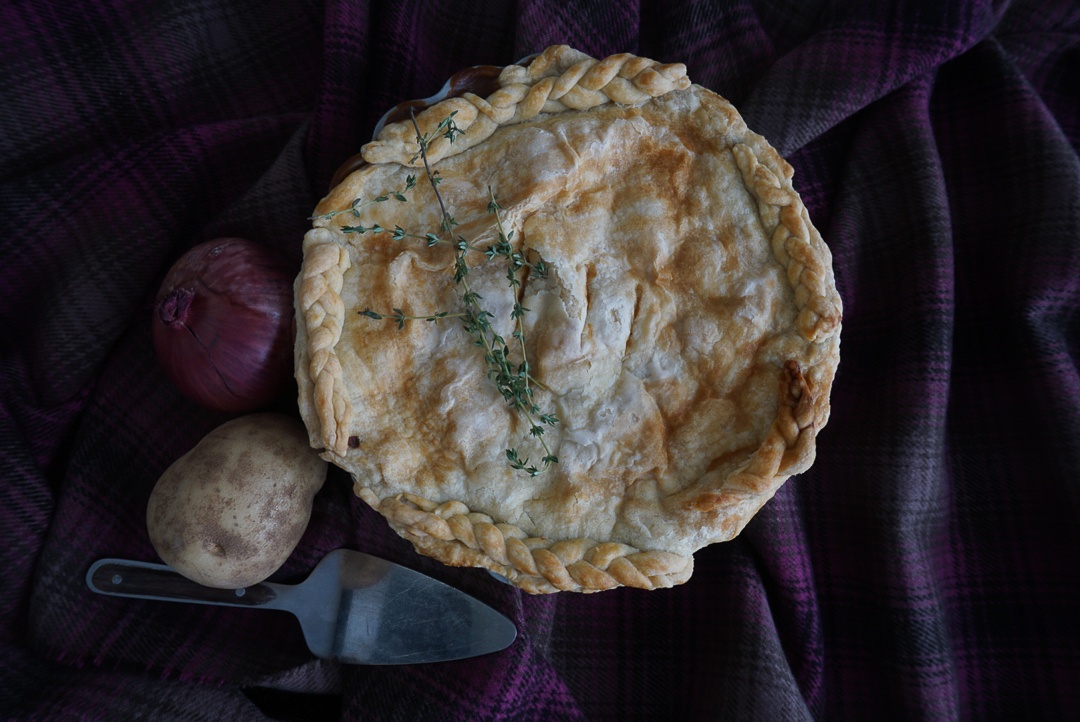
788	449
535	564
558	79
454	534
816	299
790	446
319	300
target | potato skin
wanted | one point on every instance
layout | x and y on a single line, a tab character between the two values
230	511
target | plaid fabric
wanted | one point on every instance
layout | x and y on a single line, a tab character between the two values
924	568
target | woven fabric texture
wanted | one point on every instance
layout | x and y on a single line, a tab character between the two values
924	568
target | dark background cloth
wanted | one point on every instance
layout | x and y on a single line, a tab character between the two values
926	567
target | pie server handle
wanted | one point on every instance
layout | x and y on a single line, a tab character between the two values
145	580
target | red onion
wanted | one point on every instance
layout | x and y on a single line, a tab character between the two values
223	324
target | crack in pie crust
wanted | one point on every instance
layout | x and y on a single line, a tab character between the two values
687	334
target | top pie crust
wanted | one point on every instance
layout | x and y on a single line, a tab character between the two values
686	336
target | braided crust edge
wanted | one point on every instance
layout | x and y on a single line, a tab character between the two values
794	240
457	536
788	449
790	446
322	312
558	79
453	534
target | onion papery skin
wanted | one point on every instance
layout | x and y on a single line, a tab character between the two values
223	325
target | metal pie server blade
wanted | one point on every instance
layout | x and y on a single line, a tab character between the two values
353	607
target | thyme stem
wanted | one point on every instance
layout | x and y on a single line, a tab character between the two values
522	401
423	142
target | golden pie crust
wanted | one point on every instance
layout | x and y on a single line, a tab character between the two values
686	335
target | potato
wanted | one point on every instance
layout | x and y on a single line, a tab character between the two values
230	511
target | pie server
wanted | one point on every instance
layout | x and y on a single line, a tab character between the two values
353	607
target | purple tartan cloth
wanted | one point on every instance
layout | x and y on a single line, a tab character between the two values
926	567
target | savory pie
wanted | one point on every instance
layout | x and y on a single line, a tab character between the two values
680	320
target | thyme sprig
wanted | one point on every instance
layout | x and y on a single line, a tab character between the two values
359	203
400	317
514	380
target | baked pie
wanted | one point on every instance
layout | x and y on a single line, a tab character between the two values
676	307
